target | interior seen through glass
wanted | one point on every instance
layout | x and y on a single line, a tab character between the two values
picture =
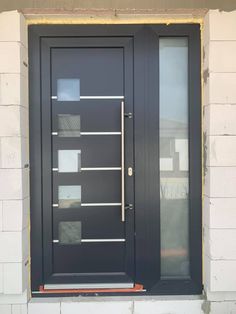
68	125
174	160
69	160
69	196
70	232
68	90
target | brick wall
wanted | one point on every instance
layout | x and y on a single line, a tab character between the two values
220	159
14	170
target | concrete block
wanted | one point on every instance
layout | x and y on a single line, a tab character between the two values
19	309
24	91
13	58
168	306
222	88
222	276
206	29
44	307
11	184
13	27
219	213
24	122
10	89
25	183
1	278
10	121
221	56
114	307
221	151
15	215
223	307
1	216
15	277
11	247
216	179
5	308
219	244
15	298
10	57
13	152
13	89
222	25
220	119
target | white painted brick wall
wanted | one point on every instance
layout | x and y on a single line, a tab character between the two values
219	210
14	157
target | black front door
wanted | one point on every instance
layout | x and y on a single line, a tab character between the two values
115	162
87	163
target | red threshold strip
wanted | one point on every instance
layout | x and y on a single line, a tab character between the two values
137	288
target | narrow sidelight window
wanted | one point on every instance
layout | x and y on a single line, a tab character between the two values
174	157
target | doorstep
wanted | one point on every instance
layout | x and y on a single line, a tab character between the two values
117	305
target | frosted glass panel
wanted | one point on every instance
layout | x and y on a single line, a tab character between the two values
69	232
69	196
69	160
68	89
174	163
68	125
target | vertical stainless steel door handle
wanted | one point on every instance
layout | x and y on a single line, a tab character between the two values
122	163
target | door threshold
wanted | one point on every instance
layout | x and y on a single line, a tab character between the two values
91	289
70	286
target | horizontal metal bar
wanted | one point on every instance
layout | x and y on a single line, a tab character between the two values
94	204
96	240
94	133
100	168
92	169
101	97
96	97
100	133
100	204
90	286
102	240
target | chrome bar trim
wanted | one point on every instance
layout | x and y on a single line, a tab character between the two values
100	133
100	204
54	205
122	163
102	240
96	240
96	97
100	168
54	169
102	97
54	133
90	286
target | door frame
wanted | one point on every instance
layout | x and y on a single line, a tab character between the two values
146	67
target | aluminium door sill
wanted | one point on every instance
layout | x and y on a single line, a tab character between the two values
89	286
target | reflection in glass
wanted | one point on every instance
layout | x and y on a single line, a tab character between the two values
69	160
68	89
68	125
69	232
174	163
69	196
